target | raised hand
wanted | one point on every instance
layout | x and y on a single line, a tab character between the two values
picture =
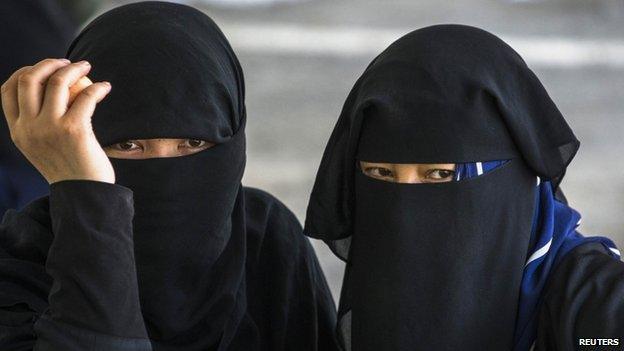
54	133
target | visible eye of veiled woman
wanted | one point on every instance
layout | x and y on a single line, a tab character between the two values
379	172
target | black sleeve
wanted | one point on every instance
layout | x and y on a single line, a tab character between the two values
291	296
90	276
584	300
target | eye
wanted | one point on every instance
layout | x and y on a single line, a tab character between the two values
194	143
440	174
127	146
378	172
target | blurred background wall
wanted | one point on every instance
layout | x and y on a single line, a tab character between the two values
301	57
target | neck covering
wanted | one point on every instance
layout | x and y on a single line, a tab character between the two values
437	265
174	75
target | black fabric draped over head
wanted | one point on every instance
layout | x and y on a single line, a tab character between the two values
149	45
174	75
451	83
437	265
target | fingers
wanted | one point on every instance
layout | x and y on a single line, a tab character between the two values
9	96
75	89
83	107
57	90
30	85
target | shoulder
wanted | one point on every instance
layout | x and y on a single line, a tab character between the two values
265	209
583	297
586	265
263	202
271	226
587	262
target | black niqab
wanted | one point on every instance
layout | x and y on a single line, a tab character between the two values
437	265
174	75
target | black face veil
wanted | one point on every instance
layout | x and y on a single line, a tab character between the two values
437	265
174	75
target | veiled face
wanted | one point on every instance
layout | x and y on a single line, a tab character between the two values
152	148
409	172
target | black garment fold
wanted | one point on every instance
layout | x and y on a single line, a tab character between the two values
67	271
92	233
290	306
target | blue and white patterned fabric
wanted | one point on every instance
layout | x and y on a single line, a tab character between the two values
553	235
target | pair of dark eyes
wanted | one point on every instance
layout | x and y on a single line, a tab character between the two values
435	174
130	145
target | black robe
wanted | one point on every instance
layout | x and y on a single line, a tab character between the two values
65	262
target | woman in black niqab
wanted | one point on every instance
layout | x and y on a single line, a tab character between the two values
189	221
178	255
459	265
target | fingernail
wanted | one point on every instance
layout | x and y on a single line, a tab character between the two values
64	60
108	84
85	63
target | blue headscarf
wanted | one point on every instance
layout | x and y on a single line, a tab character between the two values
553	236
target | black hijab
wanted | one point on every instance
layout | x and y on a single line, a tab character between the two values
174	75
437	265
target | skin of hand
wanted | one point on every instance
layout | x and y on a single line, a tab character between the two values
409	172
55	135
79	86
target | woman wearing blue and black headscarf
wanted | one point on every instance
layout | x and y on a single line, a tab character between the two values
439	188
